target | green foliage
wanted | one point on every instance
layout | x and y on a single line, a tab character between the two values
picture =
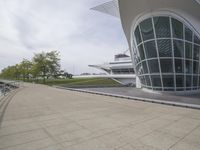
87	82
25	68
46	64
43	65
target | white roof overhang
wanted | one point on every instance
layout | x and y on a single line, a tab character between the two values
110	8
133	10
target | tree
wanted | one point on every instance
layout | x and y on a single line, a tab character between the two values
43	65
25	68
46	64
11	72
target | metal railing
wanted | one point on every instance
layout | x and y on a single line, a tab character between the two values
7	86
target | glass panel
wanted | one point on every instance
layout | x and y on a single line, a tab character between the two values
166	65
179	65
142	80
196	40
141	51
179	81
156	81
157	89
199	81
177	29
162	27
165	48
188	81
166	89
188	65
196	52
148	80
147	29
180	89
188	34
144	65
188	50
137	35
178	48
195	67
150	49
139	69
168	80
195	80
153	66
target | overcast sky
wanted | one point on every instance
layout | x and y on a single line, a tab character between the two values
82	36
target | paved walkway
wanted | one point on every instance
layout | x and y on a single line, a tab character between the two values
134	92
38	117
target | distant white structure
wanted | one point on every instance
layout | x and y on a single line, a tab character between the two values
164	41
120	70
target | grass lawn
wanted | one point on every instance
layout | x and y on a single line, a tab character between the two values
83	82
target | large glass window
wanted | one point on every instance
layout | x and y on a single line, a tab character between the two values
188	50
196	40
188	65
138	36
178	48
199	81
141	51
195	67
139	69
166	65
142	79
188	81
195	80
188	34
170	38
196	52
180	81
168	80
177	29
144	65
162	27
179	65
156	82
165	48
150	49
148	81
147	29
153	66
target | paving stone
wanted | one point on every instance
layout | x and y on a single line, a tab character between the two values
45	118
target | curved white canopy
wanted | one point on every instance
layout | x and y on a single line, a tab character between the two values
198	1
131	10
110	8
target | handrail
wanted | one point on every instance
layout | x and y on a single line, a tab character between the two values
6	86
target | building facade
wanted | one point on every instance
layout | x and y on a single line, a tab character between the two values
164	41
120	70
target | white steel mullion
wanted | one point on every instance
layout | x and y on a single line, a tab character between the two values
184	66
198	85
135	52
173	53
158	56
192	58
145	57
138	53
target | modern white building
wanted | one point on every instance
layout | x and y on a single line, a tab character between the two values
164	41
120	70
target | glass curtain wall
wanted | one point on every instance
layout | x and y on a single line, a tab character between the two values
167	55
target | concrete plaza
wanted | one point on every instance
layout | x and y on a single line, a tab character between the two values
38	117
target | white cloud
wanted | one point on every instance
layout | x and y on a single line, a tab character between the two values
81	35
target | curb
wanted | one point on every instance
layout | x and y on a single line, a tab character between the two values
184	105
